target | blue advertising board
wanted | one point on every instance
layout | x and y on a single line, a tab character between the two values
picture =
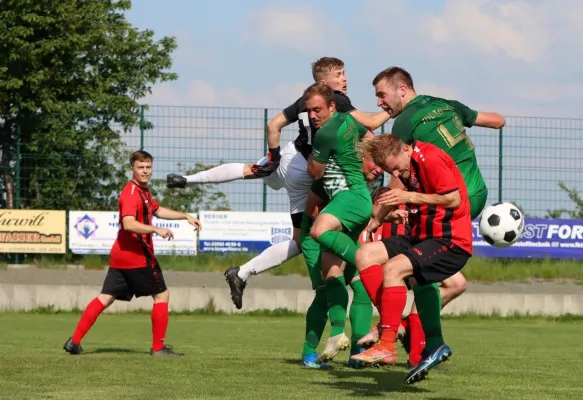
542	238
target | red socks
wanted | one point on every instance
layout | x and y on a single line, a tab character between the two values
159	325
92	311
417	339
393	301
372	279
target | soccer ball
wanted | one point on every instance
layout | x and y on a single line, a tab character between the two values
501	224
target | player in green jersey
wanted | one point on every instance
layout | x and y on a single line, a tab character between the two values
336	161
442	123
439	122
317	314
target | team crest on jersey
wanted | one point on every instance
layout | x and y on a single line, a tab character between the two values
413	182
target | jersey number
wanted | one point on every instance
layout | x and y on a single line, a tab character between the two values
306	122
460	136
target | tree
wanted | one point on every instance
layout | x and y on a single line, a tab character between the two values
575	197
71	72
192	198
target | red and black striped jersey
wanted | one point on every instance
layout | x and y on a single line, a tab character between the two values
132	250
433	171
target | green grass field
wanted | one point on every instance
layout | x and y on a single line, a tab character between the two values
256	357
477	270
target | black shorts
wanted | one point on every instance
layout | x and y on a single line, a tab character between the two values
123	284
434	260
297	219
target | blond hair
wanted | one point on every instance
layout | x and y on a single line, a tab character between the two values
324	65
380	147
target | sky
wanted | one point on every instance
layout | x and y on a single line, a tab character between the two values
520	58
517	57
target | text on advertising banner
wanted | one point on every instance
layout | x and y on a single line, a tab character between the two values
542	238
93	232
33	231
244	232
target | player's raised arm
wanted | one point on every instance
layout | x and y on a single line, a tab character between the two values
274	128
490	120
371	121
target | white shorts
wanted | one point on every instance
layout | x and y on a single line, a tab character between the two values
292	174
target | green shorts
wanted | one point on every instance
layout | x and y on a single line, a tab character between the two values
353	209
478	201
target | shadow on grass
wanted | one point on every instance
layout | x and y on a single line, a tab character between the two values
116	350
380	380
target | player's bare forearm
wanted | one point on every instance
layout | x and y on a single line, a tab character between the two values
166	213
315	169
371	121
448	200
381	211
490	120
274	128
130	224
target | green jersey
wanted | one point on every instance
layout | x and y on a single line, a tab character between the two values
442	123
336	146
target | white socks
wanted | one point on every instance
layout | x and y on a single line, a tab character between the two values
220	174
270	258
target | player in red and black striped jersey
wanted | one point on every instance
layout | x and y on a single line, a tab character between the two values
438	246
133	268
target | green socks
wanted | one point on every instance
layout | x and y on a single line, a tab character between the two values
340	244
337	302
316	319
360	314
428	301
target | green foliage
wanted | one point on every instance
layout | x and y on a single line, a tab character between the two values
192	198
575	197
70	70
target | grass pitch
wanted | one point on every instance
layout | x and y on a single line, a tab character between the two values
257	357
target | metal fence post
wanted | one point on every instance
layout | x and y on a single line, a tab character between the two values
500	159
17	186
142	127
265	149
382	129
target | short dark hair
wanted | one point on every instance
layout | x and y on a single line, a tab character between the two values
319	89
325	64
140	155
394	75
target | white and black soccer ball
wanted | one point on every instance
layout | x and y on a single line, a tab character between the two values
501	224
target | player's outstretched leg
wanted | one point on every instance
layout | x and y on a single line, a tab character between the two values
90	315
220	174
316	319
428	301
270	258
337	302
360	319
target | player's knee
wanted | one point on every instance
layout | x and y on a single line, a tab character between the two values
362	258
396	270
106	299
316	231
456	284
163	297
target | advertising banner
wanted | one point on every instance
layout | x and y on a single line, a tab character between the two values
244	232
93	232
33	231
